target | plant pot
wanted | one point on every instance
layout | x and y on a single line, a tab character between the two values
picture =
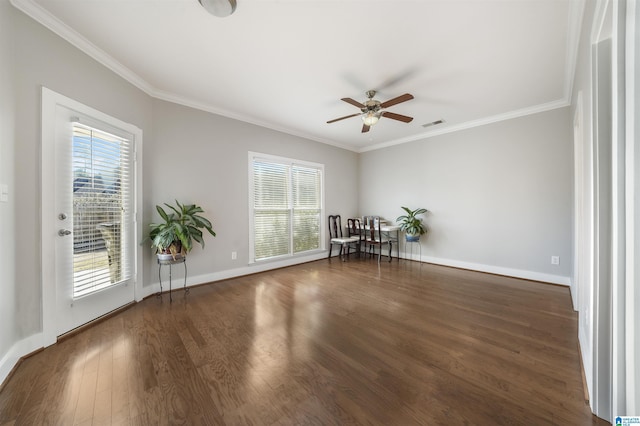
412	238
167	256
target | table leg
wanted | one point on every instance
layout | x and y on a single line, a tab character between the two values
398	243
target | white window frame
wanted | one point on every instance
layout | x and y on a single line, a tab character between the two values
129	245
286	161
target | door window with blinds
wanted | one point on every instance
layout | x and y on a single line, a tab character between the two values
102	209
286	202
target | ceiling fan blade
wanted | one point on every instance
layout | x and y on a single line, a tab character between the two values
398	117
394	101
353	102
341	118
365	128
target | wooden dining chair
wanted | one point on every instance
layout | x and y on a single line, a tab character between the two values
336	237
375	237
354	229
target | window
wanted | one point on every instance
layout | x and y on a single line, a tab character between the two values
102	209
286	201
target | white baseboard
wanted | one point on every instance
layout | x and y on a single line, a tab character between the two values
17	351
498	270
232	273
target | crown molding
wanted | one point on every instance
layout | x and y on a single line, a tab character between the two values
560	103
45	18
42	16
176	99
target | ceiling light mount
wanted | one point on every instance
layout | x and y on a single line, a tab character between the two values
219	8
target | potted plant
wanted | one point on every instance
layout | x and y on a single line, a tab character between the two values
173	237
412	225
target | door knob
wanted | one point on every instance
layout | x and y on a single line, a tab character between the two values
64	232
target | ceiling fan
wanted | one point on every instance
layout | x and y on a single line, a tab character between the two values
372	110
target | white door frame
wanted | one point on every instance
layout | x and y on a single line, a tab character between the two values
50	101
579	201
628	398
602	107
584	250
602	330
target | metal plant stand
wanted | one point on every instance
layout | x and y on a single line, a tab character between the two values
409	254
172	262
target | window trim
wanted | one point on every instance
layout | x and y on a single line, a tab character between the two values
126	140
252	156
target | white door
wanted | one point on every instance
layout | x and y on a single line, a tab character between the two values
89	215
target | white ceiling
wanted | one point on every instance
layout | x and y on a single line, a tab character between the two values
285	64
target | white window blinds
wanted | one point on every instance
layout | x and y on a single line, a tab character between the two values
102	209
286	206
306	208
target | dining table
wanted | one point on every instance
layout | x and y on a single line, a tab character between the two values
392	232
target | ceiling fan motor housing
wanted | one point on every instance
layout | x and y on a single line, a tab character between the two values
371	106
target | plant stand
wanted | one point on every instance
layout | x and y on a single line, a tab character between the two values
172	262
411	244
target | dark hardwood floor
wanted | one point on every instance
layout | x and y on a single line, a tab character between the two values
326	343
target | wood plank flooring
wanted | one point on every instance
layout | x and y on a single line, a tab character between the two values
323	343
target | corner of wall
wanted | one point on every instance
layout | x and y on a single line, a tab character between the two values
17	352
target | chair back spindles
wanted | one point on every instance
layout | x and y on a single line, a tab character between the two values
335	226
374	228
354	227
374	236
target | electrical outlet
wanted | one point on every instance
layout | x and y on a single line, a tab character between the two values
234	255
555	260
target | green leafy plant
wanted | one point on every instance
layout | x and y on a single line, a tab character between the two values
180	227
410	223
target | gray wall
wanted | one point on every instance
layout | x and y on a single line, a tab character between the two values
212	171
44	59
499	195
32	57
8	283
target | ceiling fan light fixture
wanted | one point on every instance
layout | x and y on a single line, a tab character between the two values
370	118
220	8
372	110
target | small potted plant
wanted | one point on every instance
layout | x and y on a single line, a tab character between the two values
173	238
411	224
